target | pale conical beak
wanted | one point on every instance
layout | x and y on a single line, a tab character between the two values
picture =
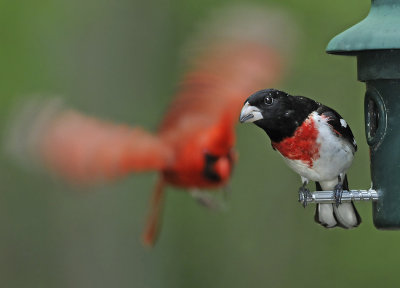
250	114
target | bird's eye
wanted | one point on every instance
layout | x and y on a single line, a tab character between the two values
268	100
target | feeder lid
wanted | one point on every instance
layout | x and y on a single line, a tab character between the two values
380	30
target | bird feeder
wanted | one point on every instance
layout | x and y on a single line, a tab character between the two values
375	41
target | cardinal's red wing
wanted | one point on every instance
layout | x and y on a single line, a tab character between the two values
85	150
239	50
222	72
218	83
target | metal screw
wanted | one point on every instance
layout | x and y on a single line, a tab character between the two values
326	197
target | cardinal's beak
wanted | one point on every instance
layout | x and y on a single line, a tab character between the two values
250	114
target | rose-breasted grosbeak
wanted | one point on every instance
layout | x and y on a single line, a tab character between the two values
314	140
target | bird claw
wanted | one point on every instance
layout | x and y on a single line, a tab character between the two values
337	194
304	194
207	200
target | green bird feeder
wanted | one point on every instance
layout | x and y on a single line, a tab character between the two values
375	41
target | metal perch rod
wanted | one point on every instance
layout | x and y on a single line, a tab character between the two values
326	197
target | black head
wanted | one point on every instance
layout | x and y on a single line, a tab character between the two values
277	112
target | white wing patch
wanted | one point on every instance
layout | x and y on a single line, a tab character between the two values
343	123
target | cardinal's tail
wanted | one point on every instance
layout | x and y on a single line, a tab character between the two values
329	216
153	224
79	148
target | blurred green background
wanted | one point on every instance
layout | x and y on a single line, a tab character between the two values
120	60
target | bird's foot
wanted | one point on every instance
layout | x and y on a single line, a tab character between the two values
337	193
207	200
304	194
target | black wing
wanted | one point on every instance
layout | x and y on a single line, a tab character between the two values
339	125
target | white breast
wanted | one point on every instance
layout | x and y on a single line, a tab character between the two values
335	155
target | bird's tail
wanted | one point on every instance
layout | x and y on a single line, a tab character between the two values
153	223
329	216
78	148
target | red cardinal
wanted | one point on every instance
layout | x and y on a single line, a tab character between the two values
194	145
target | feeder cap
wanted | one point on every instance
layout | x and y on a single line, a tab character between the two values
380	30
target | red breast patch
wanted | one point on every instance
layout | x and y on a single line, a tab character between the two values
302	145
